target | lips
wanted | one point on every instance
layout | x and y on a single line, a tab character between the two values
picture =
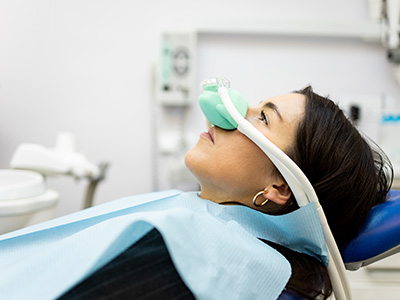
211	132
209	135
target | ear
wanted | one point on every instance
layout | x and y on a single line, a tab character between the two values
278	193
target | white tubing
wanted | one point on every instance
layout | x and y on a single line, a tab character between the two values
302	190
278	157
336	269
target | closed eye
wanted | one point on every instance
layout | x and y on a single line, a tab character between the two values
264	118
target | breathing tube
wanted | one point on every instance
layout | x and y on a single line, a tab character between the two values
227	109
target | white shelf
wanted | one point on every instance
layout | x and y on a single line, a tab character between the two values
365	31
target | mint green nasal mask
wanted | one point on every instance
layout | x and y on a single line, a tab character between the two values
215	111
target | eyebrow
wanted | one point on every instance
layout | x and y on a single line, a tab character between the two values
272	106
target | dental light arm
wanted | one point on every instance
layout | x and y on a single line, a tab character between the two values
298	182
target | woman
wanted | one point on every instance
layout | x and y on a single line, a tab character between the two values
347	175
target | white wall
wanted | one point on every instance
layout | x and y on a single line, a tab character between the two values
85	66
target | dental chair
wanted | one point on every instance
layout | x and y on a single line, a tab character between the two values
379	238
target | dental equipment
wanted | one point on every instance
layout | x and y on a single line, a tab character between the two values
227	113
63	159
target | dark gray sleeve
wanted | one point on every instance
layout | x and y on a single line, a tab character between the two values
143	271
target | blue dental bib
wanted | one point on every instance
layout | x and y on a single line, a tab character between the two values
215	248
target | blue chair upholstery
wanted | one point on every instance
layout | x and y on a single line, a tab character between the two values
379	237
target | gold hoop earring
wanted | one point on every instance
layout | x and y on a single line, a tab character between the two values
256	196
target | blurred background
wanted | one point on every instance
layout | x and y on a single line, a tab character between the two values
122	77
105	92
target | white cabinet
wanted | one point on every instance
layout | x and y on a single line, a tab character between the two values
378	281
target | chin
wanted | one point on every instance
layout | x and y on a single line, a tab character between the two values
187	160
190	160
194	163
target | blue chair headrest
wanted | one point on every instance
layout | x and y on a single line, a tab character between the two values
379	236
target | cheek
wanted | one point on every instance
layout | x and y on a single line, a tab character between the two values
247	171
253	164
238	165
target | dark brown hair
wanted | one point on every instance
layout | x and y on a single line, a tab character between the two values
349	176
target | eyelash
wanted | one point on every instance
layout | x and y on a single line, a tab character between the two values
264	117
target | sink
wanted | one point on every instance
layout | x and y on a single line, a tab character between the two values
17	184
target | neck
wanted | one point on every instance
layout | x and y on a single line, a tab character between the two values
230	198
222	197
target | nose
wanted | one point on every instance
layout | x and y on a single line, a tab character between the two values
251	111
215	111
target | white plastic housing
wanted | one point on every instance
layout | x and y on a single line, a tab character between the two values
15	184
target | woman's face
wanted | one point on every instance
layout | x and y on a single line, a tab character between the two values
229	166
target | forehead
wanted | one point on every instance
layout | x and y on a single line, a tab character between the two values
290	106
